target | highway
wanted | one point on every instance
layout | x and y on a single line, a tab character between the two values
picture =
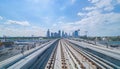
65	54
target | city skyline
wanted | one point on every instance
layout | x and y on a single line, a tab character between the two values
63	34
58	34
35	17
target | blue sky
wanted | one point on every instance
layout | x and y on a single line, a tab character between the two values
34	17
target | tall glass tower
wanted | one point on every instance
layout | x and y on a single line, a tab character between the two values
48	33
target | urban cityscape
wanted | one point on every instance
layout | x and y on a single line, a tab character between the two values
59	34
59	48
62	34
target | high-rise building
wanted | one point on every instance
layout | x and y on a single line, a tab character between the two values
48	33
52	34
65	35
62	33
56	35
76	33
59	33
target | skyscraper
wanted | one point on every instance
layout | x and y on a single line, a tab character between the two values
76	33
62	33
59	33
52	34
48	33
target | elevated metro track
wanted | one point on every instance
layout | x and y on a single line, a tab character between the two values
75	56
65	54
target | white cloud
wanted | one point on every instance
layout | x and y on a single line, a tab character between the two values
73	1
118	1
89	8
88	14
99	24
105	5
95	21
98	19
93	13
93	1
22	23
81	14
22	31
1	17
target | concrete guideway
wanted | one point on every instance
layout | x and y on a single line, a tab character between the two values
81	63
86	61
74	63
29	60
51	61
58	57
43	58
62	54
96	56
14	60
75	57
66	57
106	51
69	61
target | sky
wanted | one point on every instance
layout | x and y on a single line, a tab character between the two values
35	17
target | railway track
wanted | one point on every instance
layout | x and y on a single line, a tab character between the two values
13	60
94	58
28	61
75	57
63	54
58	58
51	61
69	58
40	63
83	63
